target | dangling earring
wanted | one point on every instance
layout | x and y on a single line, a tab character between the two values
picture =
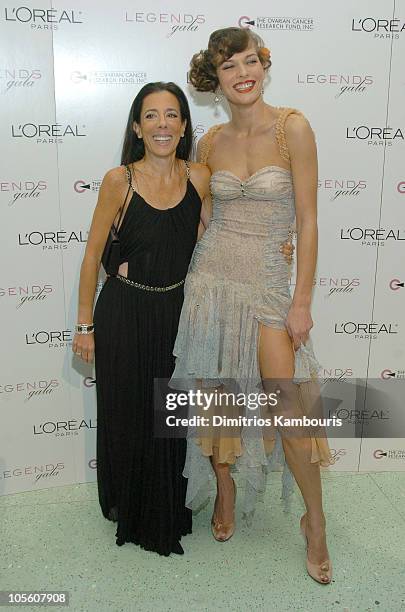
217	100
262	90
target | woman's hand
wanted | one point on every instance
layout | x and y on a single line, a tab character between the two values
298	324
83	346
287	249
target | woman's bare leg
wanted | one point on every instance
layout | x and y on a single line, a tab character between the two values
276	359
224	509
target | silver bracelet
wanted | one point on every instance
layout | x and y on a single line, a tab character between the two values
85	328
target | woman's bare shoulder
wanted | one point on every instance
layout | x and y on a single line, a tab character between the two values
200	170
210	133
297	128
115	182
205	143
114	176
200	176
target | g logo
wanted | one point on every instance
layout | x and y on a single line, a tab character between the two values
245	22
80	186
89	381
395	284
379	454
77	77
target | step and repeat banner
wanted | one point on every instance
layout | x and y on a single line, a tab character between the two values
68	74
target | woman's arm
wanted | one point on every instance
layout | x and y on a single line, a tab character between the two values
304	166
200	176
206	208
110	199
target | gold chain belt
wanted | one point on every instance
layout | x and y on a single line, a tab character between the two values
126	280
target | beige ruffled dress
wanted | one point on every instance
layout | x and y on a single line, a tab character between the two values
238	279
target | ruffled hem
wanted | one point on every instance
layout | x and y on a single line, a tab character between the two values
217	337
217	344
230	449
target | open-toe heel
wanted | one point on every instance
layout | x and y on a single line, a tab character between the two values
223	532
321	573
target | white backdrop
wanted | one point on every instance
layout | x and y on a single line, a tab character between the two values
68	75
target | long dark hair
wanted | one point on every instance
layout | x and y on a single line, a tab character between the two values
133	148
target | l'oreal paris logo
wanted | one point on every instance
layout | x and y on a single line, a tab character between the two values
369	330
59	239
42	130
375	135
381	28
42	18
372	234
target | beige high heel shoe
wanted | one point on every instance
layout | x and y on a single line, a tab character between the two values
228	528
317	572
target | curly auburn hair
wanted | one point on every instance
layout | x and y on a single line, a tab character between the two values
222	45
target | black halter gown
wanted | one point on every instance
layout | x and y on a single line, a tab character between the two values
140	480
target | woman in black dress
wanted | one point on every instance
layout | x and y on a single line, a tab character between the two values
140	480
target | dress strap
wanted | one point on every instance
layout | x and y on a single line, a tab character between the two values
129	177
123	207
280	131
207	143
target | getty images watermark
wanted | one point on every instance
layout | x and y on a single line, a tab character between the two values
213	401
338	408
